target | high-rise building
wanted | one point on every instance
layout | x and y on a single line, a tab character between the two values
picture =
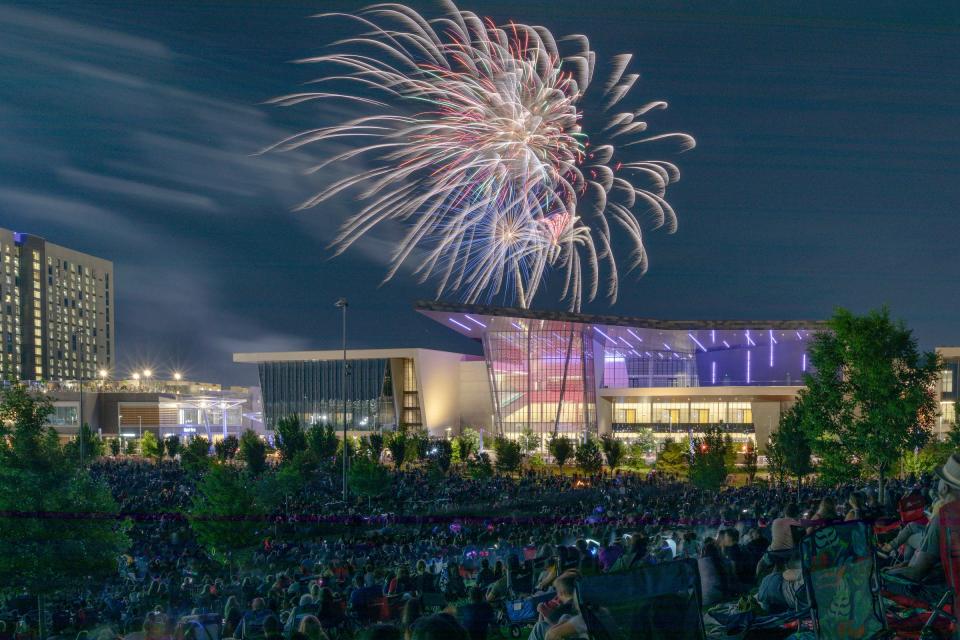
57	318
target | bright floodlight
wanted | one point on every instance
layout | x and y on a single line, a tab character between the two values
136	376
103	373
177	375
147	373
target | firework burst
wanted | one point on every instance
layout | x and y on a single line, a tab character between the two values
474	140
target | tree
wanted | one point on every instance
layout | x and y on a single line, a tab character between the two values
869	397
132	446
367	477
673	459
561	448
397	444
708	464
92	446
225	516
776	460
441	453
173	446
195	457
373	444
468	443
613	449
253	451
588	456
479	467
322	442
793	437
37	477
418	444
115	447
149	445
530	442
508	453
291	438
750	460
226	448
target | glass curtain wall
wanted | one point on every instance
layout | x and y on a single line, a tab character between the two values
541	377
312	390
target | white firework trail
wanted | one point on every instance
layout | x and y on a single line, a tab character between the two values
475	143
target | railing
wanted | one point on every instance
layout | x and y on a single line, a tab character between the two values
682	427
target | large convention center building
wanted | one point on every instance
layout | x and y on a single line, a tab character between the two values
553	372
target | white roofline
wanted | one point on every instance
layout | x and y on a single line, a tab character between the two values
334	354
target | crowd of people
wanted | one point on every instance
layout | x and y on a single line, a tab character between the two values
407	565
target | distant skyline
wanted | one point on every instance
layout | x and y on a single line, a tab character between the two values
826	172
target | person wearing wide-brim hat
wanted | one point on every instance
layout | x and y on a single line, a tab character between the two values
926	560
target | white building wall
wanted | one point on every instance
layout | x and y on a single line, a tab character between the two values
438	374
476	402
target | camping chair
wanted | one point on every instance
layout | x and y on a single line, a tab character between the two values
660	601
950	559
842	581
911	509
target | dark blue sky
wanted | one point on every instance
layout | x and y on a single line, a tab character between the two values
827	170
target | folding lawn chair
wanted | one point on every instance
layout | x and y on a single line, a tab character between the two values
654	602
842	581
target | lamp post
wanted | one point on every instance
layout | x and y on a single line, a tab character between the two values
147	373
342	305
136	376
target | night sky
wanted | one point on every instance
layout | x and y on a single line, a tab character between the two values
827	170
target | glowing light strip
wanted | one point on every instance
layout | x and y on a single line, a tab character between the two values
474	321
460	324
516	326
748	366
649	355
625	342
660	355
667	346
773	341
698	342
799	337
726	344
630	331
597	329
713	372
713	336
749	339
634	352
804	362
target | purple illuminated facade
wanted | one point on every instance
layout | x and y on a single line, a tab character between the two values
567	373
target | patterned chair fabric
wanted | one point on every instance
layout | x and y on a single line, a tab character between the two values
840	573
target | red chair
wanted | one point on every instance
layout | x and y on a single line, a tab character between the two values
910	509
949	604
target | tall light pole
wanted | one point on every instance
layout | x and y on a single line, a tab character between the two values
342	305
147	373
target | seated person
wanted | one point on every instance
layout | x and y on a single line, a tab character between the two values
925	563
782	590
563	620
477	616
743	566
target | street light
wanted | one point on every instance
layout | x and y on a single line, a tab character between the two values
147	374
342	305
136	376
177	376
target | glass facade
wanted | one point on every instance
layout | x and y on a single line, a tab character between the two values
313	390
636	357
541	376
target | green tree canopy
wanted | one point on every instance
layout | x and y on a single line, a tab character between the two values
468	442
173	446
674	459
226	448
588	456
253	451
509	454
869	397
708	466
479	467
561	448
613	449
530	442
37	477
367	477
291	439
322	442
226	516
87	443
115	447
397	444
750	460
793	439
195	457
441	454
149	445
